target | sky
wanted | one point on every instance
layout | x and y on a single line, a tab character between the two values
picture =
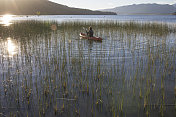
103	4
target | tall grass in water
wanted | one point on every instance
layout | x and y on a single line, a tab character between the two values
54	73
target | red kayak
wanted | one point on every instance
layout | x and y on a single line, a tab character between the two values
84	36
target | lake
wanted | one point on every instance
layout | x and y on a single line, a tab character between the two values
46	69
141	18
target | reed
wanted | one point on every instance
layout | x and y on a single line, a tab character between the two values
55	73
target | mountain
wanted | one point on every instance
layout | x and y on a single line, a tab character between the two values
43	7
144	9
174	5
175	10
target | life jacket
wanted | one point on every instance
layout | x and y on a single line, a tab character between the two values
90	33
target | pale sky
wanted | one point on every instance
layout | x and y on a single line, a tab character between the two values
103	4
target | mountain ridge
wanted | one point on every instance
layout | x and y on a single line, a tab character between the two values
143	9
174	5
43	7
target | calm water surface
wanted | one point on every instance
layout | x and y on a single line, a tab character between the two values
143	18
47	70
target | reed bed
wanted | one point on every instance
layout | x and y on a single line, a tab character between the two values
55	73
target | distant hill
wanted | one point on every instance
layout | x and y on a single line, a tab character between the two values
174	5
144	9
43	7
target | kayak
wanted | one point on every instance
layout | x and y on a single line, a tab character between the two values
84	36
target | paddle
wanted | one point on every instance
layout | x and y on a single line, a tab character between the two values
85	29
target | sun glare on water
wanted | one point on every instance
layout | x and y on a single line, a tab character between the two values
11	47
7	20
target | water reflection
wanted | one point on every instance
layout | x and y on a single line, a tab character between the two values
11	47
6	20
8	47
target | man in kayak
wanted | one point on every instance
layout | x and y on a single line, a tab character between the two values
90	32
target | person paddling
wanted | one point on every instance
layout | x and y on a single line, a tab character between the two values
90	32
